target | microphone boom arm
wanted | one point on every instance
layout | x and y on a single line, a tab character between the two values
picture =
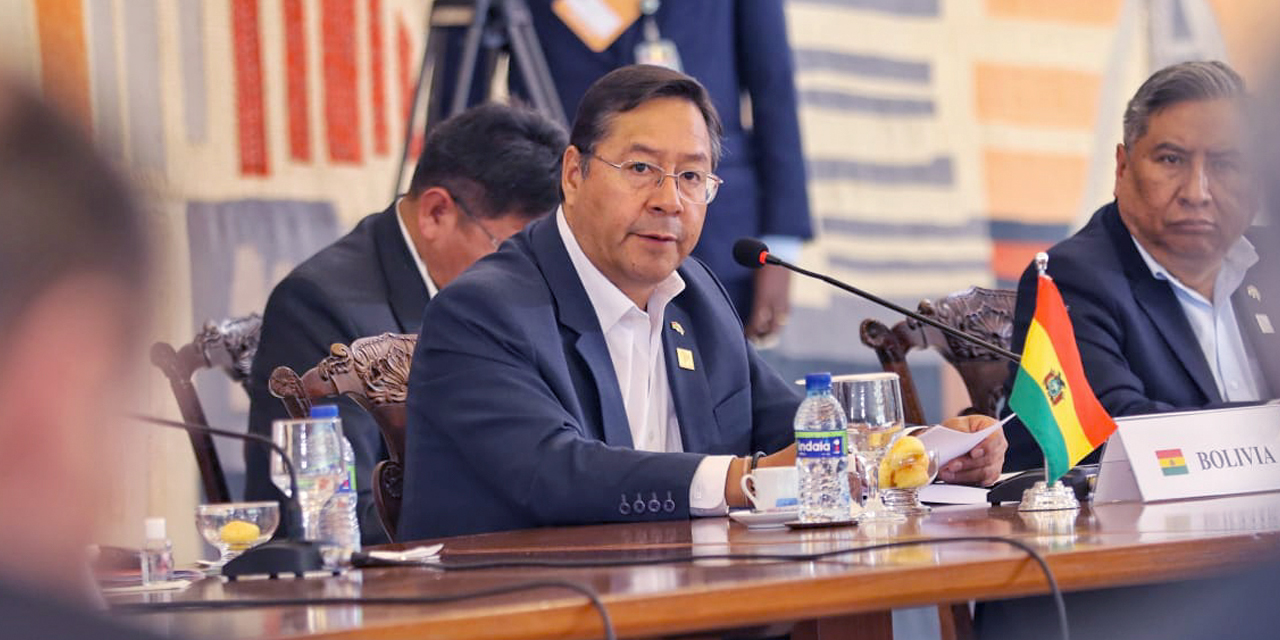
951	331
291	505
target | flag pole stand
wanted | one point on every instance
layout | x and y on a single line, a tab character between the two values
1044	496
1048	497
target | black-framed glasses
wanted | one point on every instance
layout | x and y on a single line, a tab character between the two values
471	216
698	187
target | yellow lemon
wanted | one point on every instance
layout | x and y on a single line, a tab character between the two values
906	465
239	532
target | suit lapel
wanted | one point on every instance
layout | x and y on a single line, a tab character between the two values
1157	299
1260	333
687	378
406	292
1161	306
575	313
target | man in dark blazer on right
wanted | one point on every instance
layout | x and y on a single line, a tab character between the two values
1167	296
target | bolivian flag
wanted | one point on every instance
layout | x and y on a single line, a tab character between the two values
1050	394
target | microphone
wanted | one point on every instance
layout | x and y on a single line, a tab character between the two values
277	557
753	254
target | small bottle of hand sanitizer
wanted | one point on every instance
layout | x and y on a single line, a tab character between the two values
157	553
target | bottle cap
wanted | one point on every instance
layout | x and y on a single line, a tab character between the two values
817	381
155	529
324	411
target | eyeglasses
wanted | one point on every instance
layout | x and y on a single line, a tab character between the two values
466	212
698	187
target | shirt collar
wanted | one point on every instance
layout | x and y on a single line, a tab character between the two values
609	302
432	290
1240	257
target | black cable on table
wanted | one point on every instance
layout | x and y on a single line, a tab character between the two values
1056	592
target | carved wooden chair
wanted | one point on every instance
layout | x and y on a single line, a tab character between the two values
373	371
983	313
228	345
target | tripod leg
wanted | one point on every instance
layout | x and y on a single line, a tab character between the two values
470	55
527	57
427	59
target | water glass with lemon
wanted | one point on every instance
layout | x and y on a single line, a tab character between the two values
235	527
906	468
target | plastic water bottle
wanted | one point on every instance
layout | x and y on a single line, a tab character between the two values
157	553
821	454
339	523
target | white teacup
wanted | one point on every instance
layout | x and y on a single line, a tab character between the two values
772	488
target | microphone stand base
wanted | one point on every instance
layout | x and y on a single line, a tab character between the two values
277	558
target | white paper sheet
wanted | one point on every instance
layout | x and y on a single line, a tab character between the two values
951	444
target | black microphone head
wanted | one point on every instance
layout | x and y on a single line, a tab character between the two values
750	252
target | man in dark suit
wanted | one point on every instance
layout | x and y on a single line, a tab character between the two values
733	49
1167	297
587	372
482	176
73	309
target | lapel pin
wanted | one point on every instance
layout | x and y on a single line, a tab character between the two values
1254	293
1264	323
677	326
685	358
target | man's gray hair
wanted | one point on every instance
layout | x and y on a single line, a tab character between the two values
1182	82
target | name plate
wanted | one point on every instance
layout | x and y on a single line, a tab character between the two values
1191	454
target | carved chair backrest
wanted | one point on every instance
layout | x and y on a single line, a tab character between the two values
373	371
982	313
228	345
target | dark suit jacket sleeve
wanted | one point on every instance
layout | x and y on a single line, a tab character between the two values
768	75
482	402
298	326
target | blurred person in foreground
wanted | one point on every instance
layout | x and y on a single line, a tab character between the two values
590	370
482	175
72	307
1163	288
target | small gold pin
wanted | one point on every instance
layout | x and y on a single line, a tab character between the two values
677	326
685	358
1254	293
1264	323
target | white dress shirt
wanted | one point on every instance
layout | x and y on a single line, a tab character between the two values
1235	369
432	289
634	339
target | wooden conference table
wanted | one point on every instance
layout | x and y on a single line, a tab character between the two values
1105	545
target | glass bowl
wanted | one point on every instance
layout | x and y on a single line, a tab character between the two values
235	527
902	494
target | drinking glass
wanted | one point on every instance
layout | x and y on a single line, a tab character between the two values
313	449
873	404
235	527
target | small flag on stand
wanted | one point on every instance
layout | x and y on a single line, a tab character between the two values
1050	393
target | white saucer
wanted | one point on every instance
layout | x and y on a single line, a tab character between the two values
765	519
